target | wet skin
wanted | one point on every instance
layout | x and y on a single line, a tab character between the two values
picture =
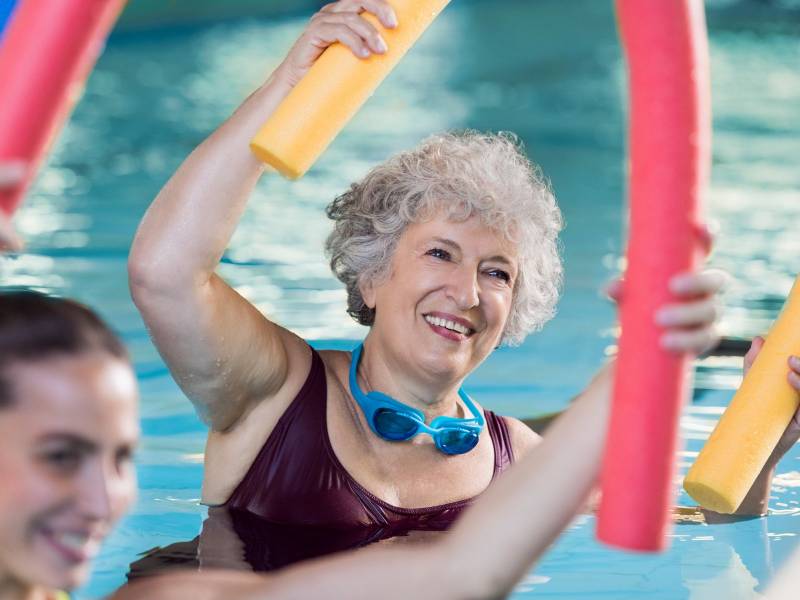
68	437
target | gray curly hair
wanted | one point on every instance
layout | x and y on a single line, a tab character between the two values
460	175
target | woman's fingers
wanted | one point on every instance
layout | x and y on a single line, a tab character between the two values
697	313
692	285
380	8
794	362
694	341
349	25
792	433
329	33
705	232
11	173
338	22
683	285
614	289
750	357
794	372
690	323
9	240
347	13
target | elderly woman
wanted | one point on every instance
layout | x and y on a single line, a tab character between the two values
447	251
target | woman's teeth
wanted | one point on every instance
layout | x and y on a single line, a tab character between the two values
439	322
77	545
74	541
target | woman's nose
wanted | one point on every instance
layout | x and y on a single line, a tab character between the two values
105	492
95	495
463	287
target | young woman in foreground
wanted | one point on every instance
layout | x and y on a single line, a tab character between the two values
68	427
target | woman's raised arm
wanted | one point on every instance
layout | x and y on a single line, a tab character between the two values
223	353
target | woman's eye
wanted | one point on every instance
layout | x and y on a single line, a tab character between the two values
438	253
500	274
124	457
63	460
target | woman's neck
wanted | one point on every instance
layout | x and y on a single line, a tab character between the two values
380	371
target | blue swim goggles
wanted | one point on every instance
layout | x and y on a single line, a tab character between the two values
396	422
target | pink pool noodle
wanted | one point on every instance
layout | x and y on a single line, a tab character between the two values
666	47
46	53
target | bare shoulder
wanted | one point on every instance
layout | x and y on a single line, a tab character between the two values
336	360
523	438
344	418
231	451
337	365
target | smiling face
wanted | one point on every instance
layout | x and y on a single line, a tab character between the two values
65	464
445	303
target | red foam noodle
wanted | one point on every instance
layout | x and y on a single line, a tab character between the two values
46	53
666	46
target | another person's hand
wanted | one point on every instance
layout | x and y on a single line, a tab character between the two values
9	240
338	22
689	325
792	433
10	175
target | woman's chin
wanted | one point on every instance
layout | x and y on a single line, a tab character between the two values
59	577
70	579
447	363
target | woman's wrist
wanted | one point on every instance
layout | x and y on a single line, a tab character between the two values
757	500
281	80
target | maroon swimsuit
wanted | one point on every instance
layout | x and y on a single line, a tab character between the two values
296	478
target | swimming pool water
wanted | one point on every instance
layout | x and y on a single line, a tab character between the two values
549	71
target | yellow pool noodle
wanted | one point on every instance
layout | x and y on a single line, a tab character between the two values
333	90
751	426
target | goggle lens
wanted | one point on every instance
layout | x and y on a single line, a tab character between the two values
456	441
394	425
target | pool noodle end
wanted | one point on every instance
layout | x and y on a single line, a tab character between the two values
333	90
708	497
744	438
274	163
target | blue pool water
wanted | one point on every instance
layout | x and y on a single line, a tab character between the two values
549	71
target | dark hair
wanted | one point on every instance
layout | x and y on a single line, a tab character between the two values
35	326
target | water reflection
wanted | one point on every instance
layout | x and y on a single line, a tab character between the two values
732	560
240	540
713	571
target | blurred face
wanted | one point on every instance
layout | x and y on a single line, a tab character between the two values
445	305
65	465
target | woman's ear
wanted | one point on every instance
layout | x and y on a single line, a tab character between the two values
367	289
